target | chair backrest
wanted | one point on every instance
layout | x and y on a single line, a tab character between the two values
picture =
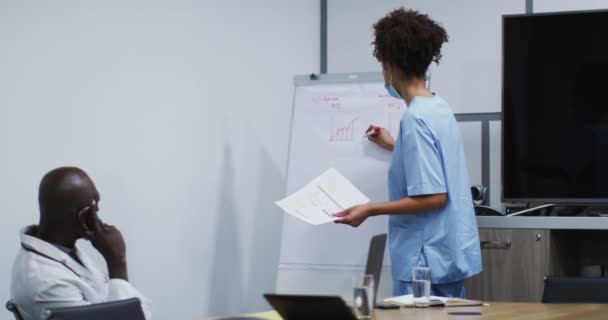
12	307
575	290
129	309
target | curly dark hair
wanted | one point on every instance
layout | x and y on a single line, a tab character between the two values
408	40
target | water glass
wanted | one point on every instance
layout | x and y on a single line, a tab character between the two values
421	280
363	299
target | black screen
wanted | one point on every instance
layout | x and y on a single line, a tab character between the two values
555	110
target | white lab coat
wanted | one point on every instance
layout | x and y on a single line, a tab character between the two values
45	277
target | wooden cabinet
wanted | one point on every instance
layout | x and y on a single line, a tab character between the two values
515	262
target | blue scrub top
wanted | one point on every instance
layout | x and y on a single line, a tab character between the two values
428	158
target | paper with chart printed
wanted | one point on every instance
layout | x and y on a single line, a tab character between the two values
327	194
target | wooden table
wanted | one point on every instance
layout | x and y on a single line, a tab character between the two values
495	311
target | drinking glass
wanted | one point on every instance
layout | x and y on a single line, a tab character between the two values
421	280
363	299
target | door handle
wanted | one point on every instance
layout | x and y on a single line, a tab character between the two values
495	244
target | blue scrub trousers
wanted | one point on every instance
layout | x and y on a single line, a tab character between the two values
449	290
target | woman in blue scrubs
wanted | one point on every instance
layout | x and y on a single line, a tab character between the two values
431	216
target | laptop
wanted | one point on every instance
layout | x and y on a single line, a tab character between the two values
129	309
375	259
306	307
303	307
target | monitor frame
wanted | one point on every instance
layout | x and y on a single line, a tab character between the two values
564	201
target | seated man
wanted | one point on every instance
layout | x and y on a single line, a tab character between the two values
50	271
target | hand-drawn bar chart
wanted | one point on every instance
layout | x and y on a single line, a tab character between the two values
342	132
347	119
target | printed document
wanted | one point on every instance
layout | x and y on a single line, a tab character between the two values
327	194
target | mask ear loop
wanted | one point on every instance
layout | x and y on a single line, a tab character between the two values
390	75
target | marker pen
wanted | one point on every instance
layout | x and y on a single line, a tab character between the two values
372	132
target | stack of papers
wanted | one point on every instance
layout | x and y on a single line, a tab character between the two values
327	194
408	301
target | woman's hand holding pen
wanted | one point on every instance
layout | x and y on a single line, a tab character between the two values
380	136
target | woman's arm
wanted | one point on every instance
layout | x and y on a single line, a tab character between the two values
409	205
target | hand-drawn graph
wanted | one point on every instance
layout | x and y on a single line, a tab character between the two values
347	120
341	131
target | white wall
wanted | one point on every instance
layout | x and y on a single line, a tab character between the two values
180	112
569	5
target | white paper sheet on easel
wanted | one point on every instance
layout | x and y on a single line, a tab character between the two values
327	194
